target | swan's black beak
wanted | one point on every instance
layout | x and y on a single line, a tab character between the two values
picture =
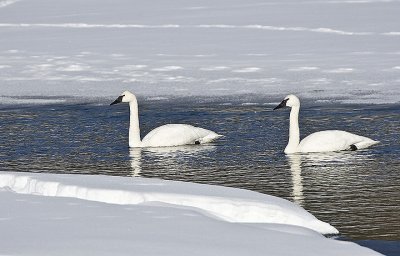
282	104
118	100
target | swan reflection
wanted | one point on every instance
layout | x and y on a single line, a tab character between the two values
173	152
329	163
136	161
295	169
169	158
323	159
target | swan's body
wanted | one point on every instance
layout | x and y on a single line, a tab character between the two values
166	135
334	140
178	134
323	141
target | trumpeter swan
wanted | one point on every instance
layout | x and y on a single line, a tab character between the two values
165	135
323	141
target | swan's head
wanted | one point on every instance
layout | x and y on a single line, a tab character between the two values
289	101
126	96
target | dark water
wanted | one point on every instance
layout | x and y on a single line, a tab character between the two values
357	192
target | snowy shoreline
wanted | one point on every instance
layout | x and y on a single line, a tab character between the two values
48	214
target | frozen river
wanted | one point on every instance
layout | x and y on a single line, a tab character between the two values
357	192
221	65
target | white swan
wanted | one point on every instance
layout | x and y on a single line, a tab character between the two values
165	135
323	141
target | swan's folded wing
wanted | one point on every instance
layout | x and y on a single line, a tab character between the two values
178	134
333	140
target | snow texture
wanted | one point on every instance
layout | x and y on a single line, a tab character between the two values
101	215
344	50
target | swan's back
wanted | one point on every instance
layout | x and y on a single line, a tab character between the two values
178	134
334	140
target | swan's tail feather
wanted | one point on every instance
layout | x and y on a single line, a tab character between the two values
210	138
366	143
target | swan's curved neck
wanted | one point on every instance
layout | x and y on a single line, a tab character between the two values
134	129
294	131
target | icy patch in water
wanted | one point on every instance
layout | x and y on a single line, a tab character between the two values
178	79
5	3
202	26
86	25
247	70
318	30
216	26
86	53
168	68
362	53
250	104
26	101
157	98
320	81
298	69
340	70
340	32
131	67
74	68
196	8
37	67
214	68
393	33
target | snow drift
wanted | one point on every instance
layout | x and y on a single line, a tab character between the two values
223	203
43	215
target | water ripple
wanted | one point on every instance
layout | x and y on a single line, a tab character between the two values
357	192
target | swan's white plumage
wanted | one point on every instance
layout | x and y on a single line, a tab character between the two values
166	135
323	141
333	140
178	134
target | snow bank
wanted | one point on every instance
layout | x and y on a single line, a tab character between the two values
227	204
43	216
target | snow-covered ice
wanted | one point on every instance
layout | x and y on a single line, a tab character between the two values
70	48
47	214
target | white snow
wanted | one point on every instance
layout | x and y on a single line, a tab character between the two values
299	69
393	33
47	214
247	70
340	70
214	68
46	44
167	68
30	101
74	68
4	3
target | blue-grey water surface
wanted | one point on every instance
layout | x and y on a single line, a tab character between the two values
357	192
